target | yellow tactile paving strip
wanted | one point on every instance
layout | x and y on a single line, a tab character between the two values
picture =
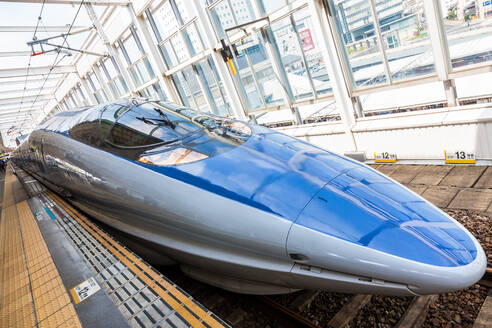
32	292
151	278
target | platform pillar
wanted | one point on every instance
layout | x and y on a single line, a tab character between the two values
334	65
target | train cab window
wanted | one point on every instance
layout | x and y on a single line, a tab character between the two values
87	128
157	133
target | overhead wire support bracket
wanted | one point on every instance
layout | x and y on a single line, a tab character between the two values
59	48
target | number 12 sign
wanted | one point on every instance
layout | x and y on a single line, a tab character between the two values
384	157
459	157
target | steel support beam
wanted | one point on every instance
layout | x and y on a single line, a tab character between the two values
75	2
29	81
21	92
15	109
51	29
334	65
15	120
40	70
25	100
15	112
16	53
238	108
440	49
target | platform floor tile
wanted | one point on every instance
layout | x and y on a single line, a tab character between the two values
405	173
472	199
431	175
485	180
387	169
418	189
440	196
31	293
463	176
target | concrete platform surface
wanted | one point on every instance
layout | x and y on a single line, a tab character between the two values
472	199
431	175
485	180
405	173
440	196
463	176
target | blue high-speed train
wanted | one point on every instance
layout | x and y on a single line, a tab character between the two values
246	208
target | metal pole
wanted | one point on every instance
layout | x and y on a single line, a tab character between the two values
239	107
440	49
334	65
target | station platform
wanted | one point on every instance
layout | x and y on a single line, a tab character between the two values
59	269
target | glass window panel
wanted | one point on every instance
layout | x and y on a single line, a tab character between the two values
405	39
189	89
194	39
223	17
468	28
195	89
94	81
110	66
271	5
121	82
183	89
168	54
81	93
101	72
160	93
184	10
136	76
211	80
355	27
291	58
314	57
115	88
148	67
243	11
165	20
121	53
265	75
132	49
179	48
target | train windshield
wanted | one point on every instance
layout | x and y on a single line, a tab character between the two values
158	133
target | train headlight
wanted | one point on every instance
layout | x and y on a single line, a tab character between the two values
172	157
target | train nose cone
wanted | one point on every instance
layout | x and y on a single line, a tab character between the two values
389	224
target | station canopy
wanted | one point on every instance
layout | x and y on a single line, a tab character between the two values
31	73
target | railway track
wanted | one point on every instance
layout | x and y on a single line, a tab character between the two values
414	316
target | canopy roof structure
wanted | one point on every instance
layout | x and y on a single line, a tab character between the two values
33	59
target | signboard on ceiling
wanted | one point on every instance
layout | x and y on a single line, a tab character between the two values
306	40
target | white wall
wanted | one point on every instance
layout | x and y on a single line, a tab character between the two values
422	135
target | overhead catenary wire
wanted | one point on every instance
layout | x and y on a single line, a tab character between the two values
55	63
30	58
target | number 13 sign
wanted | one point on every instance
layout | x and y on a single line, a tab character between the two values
459	157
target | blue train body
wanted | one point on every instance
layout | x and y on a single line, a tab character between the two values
249	209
